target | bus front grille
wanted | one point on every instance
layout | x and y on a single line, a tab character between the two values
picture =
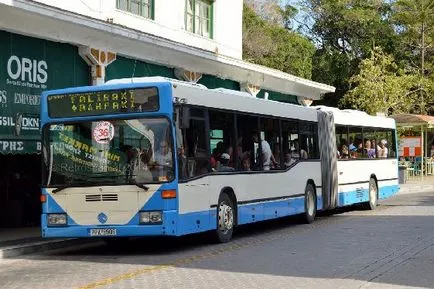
102	198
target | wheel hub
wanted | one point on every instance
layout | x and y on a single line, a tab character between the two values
226	218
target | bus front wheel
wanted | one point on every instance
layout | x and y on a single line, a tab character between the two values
309	204
225	219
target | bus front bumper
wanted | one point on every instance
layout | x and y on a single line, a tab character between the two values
133	229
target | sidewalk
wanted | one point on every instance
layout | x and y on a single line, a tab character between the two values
20	241
417	185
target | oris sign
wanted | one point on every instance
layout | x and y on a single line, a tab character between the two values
27	72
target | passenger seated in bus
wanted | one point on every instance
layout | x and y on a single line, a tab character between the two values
265	151
288	160
143	171
224	163
298	153
382	152
369	151
353	152
163	156
344	152
246	164
275	164
230	151
215	156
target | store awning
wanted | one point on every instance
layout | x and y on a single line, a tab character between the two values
409	120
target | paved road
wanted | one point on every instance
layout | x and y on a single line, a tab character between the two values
392	247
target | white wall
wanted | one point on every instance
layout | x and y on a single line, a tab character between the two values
169	22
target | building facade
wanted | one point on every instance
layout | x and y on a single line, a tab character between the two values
48	44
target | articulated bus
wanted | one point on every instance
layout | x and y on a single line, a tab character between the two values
156	156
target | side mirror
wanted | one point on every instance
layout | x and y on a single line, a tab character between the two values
185	117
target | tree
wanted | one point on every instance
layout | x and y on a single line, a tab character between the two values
345	31
274	46
380	86
415	24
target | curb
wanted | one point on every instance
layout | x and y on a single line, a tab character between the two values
415	188
22	249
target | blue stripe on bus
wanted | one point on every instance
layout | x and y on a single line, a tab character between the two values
361	196
269	210
197	222
353	197
388	191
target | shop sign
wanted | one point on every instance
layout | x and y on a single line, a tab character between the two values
29	66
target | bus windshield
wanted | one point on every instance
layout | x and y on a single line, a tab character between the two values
108	152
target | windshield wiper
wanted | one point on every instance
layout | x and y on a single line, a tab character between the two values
142	186
61	188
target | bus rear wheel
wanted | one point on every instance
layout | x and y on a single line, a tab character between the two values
309	204
373	193
225	219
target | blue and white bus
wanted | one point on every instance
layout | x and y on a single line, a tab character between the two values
156	156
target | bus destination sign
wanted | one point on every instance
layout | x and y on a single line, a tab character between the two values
93	103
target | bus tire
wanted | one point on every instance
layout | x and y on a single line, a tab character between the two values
225	219
373	195
309	204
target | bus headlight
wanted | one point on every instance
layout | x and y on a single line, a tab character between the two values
153	217
56	219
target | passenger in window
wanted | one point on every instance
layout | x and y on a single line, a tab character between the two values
224	163
163	156
182	163
246	165
345	152
353	152
382	152
298	153
215	157
276	157
288	161
265	152
230	151
143	171
369	151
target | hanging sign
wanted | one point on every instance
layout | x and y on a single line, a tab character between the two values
103	132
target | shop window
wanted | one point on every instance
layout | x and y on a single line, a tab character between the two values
198	17
144	8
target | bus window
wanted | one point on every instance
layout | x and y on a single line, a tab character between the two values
193	157
355	146
270	132
245	146
222	139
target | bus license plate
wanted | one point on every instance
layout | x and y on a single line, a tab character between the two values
102	232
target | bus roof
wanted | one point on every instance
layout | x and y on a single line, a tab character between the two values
227	99
357	117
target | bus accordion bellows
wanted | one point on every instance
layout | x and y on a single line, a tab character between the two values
155	156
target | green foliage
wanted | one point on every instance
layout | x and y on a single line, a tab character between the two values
274	46
380	86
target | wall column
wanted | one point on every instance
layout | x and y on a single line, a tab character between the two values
98	60
304	101
187	75
250	88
